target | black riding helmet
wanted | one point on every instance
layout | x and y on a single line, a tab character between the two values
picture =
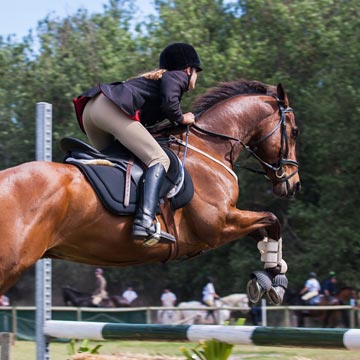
179	56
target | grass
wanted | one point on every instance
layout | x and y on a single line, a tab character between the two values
26	350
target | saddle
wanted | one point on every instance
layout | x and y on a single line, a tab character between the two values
114	173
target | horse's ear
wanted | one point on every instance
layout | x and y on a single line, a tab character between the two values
282	95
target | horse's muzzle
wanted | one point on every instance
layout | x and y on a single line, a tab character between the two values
286	189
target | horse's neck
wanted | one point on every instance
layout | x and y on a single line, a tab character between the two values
237	118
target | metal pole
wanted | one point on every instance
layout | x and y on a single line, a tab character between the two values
43	267
263	312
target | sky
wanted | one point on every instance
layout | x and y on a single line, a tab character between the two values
17	17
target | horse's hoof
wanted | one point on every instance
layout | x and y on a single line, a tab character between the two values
275	295
258	285
254	291
277	292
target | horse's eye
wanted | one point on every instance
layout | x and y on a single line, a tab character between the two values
294	132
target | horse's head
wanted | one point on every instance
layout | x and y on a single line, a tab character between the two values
265	127
275	147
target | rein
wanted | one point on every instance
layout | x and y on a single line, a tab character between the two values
283	160
174	139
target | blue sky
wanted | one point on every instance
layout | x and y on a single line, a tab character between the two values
19	16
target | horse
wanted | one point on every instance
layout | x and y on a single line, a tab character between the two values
73	297
51	211
329	318
187	315
239	300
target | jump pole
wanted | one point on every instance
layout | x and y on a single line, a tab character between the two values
43	267
237	335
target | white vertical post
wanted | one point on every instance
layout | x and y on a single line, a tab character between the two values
43	267
263	313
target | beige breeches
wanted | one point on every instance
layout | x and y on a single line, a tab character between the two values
104	121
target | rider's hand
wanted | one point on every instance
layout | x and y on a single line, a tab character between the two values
189	118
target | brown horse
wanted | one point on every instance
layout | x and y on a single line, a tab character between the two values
329	318
73	297
49	210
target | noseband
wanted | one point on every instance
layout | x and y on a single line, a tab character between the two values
278	168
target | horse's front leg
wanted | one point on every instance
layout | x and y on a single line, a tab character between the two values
264	227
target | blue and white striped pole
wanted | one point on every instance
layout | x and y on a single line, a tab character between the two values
237	335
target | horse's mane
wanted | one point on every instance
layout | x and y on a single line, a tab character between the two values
226	90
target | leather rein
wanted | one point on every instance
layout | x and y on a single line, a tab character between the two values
278	168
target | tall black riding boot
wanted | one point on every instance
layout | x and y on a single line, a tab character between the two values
143	226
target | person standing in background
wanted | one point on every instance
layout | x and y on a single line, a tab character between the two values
129	295
168	298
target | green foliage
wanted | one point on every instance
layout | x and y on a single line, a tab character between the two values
238	322
83	348
209	350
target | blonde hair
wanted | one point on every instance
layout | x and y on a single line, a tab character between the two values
153	74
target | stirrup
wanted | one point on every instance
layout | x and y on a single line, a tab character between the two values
151	239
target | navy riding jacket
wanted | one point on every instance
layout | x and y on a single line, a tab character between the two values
145	100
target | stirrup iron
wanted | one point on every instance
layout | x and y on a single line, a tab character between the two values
158	237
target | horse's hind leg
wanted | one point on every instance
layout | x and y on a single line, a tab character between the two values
21	253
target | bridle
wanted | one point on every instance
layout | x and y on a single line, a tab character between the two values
277	168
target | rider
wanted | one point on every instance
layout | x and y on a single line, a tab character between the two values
328	287
311	290
124	110
100	292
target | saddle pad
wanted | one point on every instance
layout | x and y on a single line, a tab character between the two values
108	183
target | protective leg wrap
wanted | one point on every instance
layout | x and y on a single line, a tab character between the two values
271	254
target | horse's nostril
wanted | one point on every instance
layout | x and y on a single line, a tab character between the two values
298	186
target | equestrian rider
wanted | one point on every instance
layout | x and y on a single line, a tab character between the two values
124	110
100	292
328	287
311	289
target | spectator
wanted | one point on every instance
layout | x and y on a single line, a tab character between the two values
129	295
256	314
4	300
100	292
311	290
209	296
328	287
168	298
